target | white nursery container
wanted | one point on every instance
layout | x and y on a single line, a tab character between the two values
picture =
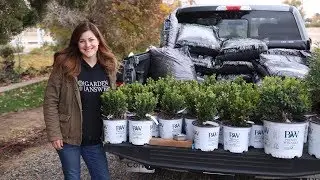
206	138
140	132
314	139
168	128
256	136
284	140
221	134
236	139
306	130
155	130
188	127
115	131
267	137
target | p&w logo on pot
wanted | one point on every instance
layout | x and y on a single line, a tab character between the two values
211	135
136	128
291	134
234	135
120	128
258	132
175	126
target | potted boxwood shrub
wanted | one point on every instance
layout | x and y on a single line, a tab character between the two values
282	100
157	88
141	125
256	139
170	121
206	132
190	90
313	82
221	89
130	90
114	107
235	104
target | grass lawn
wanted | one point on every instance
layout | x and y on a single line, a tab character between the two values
36	61
38	58
27	97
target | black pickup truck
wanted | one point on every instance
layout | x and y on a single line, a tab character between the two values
282	27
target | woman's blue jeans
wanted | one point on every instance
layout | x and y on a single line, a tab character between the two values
93	155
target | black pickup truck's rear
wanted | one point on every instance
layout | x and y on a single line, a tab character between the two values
253	162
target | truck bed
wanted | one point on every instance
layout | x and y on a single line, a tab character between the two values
254	162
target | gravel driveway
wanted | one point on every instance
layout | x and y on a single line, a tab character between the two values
42	163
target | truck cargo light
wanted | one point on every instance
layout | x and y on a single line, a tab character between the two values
233	8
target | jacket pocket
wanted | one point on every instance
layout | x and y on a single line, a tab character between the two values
64	125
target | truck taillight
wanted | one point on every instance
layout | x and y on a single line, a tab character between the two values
233	8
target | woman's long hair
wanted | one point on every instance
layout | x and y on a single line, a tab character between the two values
69	59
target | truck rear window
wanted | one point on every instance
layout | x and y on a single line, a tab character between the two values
267	25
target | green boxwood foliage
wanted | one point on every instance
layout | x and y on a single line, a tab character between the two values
235	101
144	103
281	99
171	102
130	90
190	90
205	105
313	80
114	102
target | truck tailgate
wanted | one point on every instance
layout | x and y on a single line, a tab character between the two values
253	162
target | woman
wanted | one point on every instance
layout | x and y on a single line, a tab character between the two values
81	73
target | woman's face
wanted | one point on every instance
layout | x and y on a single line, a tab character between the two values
88	44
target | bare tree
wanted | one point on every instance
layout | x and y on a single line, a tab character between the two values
63	15
296	3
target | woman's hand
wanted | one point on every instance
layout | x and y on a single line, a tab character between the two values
57	144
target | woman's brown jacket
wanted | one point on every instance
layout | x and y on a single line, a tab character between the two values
62	108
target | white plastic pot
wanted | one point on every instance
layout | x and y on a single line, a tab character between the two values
236	139
306	132
314	139
256	136
221	134
206	138
115	131
168	128
188	127
140	132
284	140
155	129
267	137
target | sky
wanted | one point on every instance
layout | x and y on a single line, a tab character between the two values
310	6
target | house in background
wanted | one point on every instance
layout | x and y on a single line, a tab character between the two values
31	38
